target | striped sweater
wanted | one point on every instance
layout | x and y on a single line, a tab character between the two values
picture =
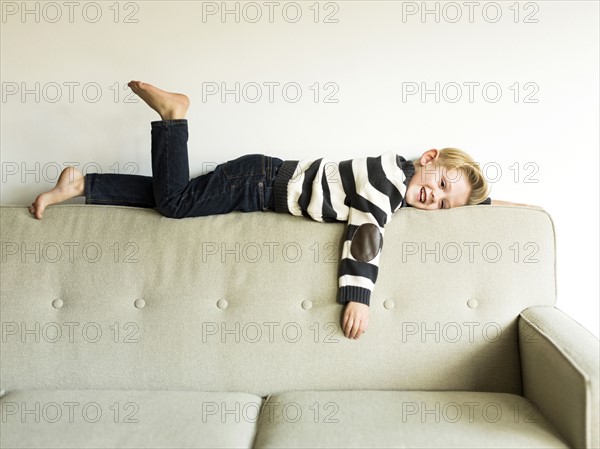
365	192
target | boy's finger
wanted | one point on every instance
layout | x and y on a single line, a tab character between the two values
345	322
360	331
348	328
356	329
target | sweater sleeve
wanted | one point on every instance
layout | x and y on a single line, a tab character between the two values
374	189
360	262
362	245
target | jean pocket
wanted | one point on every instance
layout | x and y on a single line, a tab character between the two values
245	166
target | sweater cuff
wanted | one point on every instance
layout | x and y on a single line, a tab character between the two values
354	294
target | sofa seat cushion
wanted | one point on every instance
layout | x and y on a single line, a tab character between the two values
398	419
127	418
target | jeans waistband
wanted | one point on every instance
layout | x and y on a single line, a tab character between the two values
272	168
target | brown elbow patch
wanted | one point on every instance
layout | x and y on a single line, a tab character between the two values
366	242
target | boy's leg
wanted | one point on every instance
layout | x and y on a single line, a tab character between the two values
119	189
131	190
243	184
170	169
240	184
69	185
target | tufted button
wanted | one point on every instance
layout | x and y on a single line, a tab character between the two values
57	303
472	303
139	303
222	303
307	304
389	304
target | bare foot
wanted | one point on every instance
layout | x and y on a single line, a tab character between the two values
69	185
170	106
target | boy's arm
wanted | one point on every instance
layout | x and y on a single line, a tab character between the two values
358	270
359	263
373	195
508	203
371	201
359	266
488	200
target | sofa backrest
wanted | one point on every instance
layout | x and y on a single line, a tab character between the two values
110	297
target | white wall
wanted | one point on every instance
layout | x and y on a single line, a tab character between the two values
368	51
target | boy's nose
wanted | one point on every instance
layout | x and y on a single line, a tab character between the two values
436	195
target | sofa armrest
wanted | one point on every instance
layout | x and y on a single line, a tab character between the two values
560	369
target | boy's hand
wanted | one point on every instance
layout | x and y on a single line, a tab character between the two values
356	319
509	203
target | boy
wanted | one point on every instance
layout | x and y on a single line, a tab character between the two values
365	192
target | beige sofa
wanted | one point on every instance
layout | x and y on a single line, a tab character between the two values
123	328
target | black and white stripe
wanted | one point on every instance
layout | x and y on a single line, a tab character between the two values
359	191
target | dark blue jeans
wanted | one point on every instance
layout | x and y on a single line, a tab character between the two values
243	184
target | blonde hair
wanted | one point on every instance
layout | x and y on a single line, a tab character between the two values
453	158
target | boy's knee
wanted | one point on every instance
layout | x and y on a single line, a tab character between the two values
168	211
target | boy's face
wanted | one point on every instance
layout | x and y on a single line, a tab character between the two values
436	187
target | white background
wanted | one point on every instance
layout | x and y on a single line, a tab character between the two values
64	68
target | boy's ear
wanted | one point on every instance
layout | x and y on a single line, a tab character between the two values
429	156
